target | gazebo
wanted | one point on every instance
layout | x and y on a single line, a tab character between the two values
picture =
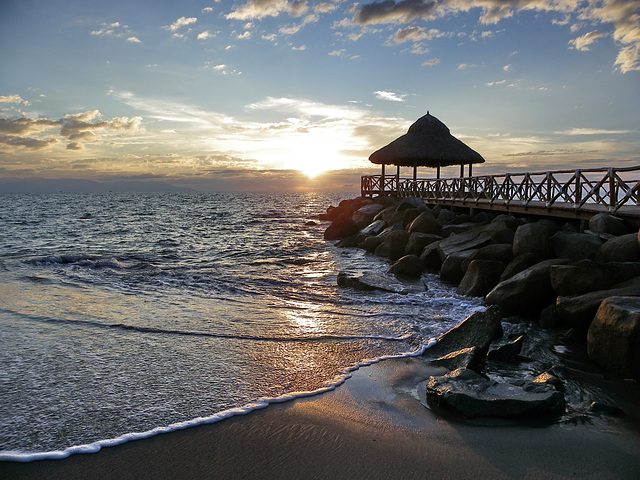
428	143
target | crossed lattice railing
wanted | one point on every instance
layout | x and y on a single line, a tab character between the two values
611	188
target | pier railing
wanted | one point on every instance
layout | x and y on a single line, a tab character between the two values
581	192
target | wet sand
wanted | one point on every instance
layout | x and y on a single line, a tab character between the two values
372	427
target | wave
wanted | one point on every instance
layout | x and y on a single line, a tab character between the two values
94	447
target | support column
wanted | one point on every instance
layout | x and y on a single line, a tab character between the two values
382	181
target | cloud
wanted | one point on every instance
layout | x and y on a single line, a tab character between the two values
179	23
493	84
413	34
258	9
389	96
591	131
389	11
134	40
115	29
13	99
205	35
431	63
583	42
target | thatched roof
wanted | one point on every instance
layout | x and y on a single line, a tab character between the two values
428	143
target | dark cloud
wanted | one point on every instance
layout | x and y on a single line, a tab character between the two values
389	11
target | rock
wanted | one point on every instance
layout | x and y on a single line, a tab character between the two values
407	266
417	242
608	224
411	202
586	276
520	264
425	223
532	238
409	215
578	311
348	242
372	281
451	269
477	330
390	215
509	220
343	226
575	246
365	214
444	215
599	408
550	379
482	217
371	243
508	352
549	318
472	239
431	258
374	228
457	228
528	292
613	339
500	252
480	278
393	245
470	357
472	395
624	248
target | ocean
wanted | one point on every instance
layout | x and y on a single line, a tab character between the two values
127	315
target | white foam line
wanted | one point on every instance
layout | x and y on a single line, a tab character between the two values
18	456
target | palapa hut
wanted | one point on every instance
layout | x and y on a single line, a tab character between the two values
428	143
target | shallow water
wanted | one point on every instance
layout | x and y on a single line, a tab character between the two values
125	314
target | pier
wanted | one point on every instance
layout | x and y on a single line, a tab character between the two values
570	194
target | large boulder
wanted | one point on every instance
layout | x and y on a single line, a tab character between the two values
500	252
477	330
624	248
613	339
480	278
393	245
472	239
533	238
575	246
417	242
425	222
588	276
470	357
374	228
528	292
451	269
431	258
407	266
373	281
520	264
608	225
364	215
343	226
472	395
578	311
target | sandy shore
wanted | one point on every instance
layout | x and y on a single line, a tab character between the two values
372	427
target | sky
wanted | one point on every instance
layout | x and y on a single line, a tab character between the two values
264	95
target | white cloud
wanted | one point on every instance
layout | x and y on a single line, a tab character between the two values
258	9
431	63
133	40
492	84
591	131
205	35
179	23
583	42
13	99
390	96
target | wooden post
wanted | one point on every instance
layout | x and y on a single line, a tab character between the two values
382	181
461	170
438	172
470	175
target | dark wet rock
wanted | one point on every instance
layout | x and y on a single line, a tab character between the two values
374	228
348	242
390	215
373	281
482	217
608	224
407	266
470	357
417	242
520	264
457	228
477	330
549	318
343	226
600	408
444	215
365	214
509	220
624	248
431	258
371	243
508	352
529	291
575	246
500	252
472	395
481	277
451	269
586	276
411	202
613	339
393	245
425	222
578	311
548	378
532	238
475	238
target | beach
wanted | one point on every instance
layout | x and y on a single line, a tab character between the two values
373	426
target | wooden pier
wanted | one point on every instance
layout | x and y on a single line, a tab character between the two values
571	194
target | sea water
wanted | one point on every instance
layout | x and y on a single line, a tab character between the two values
126	315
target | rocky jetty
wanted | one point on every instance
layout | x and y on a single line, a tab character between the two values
578	277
